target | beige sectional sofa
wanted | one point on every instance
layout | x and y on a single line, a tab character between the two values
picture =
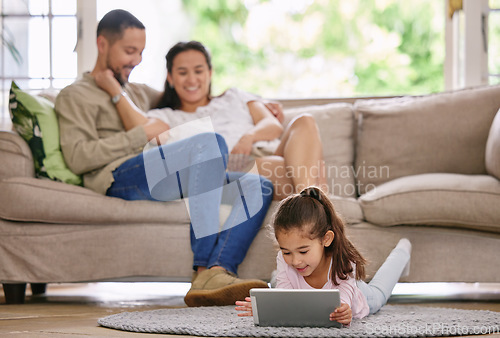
399	167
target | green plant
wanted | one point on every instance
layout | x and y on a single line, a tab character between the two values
8	42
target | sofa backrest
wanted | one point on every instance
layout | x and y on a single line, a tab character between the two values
439	133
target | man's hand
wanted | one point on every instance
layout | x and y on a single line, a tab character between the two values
107	82
245	306
342	314
276	109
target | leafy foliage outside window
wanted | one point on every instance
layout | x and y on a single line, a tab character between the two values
323	48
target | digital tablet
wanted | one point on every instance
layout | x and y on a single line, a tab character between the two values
286	307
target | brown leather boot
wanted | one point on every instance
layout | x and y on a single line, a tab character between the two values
219	287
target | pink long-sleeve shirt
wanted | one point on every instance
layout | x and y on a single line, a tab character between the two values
289	278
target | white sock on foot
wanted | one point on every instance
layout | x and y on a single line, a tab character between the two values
405	244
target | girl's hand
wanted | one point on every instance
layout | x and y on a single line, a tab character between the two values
244	306
342	314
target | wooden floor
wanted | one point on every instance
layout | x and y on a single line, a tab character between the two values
72	310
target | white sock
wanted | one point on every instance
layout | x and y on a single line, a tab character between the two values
404	244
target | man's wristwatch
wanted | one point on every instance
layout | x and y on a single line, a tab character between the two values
115	99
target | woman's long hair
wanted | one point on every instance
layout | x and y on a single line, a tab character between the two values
312	211
170	99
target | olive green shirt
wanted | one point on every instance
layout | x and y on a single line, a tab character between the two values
93	139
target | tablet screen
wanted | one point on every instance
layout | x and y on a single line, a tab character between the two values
292	307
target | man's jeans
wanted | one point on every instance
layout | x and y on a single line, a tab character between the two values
195	168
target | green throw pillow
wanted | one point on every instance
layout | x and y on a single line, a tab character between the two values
35	120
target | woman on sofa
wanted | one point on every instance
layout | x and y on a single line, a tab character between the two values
292	158
249	128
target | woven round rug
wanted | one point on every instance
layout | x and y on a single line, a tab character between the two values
390	321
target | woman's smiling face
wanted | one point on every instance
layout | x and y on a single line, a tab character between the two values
191	78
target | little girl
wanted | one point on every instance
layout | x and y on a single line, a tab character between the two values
316	254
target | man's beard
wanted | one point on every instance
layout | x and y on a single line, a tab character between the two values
119	78
117	75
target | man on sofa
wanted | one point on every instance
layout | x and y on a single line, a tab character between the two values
96	144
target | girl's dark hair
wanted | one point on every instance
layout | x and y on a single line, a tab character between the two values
114	23
170	99
312	211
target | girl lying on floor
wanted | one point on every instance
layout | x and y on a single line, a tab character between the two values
316	254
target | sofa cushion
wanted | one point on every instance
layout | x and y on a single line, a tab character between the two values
35	200
336	127
466	201
348	208
444	132
493	148
35	120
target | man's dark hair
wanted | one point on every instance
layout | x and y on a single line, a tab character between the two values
114	23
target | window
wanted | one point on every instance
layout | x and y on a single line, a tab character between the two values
275	48
300	48
494	42
38	42
473	43
305	48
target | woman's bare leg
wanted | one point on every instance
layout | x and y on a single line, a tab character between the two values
302	151
298	160
273	168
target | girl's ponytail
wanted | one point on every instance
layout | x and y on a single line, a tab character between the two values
343	251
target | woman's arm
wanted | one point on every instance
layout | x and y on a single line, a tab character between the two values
130	115
266	128
276	109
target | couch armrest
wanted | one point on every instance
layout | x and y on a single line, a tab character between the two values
15	156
